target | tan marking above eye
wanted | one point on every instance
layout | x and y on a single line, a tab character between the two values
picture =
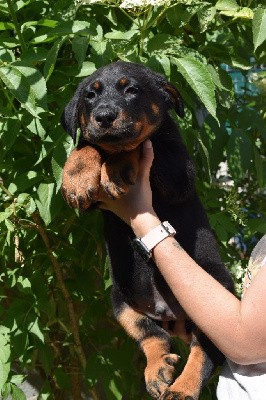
123	81
96	85
155	108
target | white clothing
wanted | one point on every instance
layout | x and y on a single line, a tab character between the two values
245	382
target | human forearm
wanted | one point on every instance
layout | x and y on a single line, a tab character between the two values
214	309
201	296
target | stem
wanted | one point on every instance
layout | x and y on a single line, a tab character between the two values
124	12
69	302
143	28
17	25
5	190
10	102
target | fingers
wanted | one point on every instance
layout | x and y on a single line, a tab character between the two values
146	159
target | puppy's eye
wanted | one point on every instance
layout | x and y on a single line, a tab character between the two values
131	90
90	95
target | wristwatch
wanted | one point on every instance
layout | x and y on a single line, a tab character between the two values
145	244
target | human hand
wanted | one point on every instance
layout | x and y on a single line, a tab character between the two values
135	208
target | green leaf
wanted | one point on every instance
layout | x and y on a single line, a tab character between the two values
30	207
24	181
24	285
6	25
80	46
73	27
163	42
35	329
22	198
199	78
46	356
60	155
19	4
114	388
244	13
52	57
86	69
34	55
62	378
179	15
205	17
5	353
36	126
165	63
217	79
5	214
7	55
17	379
10	131
205	157
119	35
36	82
6	391
259	27
17	393
9	224
229	5
45	193
19	86
240	154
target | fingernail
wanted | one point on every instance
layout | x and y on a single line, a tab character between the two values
148	144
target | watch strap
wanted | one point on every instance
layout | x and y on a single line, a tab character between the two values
157	234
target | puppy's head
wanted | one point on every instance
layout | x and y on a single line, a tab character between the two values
120	105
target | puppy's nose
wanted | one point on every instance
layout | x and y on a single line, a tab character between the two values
105	117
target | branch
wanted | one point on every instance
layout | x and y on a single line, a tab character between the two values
70	305
17	25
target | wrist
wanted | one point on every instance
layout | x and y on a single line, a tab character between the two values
144	223
145	244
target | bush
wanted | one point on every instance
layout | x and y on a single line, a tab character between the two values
55	308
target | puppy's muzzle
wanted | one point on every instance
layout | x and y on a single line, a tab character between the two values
105	116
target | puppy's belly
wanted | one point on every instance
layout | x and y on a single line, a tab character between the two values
158	307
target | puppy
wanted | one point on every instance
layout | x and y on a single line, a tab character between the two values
117	108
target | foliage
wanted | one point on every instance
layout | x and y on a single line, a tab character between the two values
55	307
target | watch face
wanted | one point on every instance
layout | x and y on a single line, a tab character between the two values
141	249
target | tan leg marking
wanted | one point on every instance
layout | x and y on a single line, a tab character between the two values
81	177
188	384
129	319
160	365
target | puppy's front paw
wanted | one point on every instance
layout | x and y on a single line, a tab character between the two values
119	172
173	395
81	178
116	179
112	182
184	388
159	375
79	191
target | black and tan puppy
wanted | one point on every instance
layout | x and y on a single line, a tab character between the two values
116	108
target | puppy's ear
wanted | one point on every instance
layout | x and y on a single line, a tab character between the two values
69	119
175	98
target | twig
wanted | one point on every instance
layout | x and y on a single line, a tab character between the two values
70	305
17	25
